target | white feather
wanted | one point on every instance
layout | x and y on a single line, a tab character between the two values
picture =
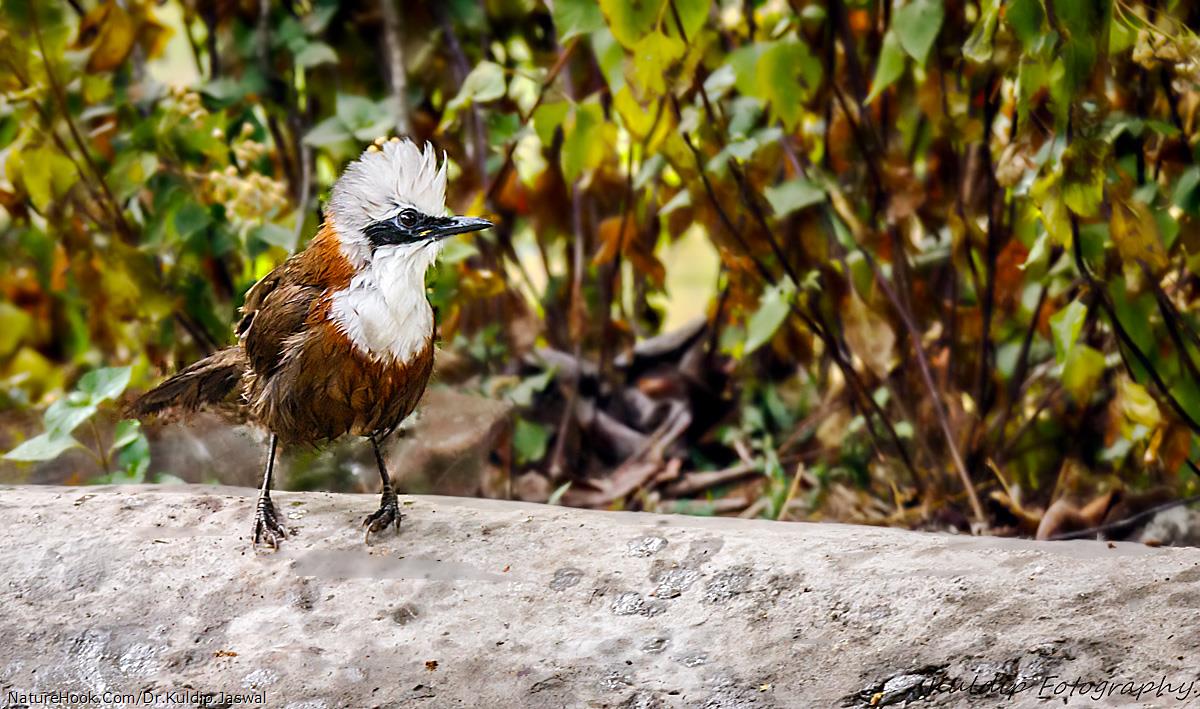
384	310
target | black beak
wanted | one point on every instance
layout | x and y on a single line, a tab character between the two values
450	226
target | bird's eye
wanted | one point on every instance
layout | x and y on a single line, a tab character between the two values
408	218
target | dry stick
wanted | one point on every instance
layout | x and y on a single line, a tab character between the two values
1018	379
1122	523
1122	334
906	316
462	68
821	330
1002	455
188	17
990	109
502	173
700	481
927	377
556	460
1171	319
393	47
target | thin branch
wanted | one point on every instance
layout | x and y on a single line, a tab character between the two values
1126	522
393	47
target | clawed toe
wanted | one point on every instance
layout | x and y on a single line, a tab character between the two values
387	515
267	530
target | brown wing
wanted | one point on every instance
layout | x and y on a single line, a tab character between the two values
277	306
275	309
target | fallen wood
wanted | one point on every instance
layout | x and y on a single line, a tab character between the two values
486	603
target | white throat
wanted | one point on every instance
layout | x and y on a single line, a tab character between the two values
384	310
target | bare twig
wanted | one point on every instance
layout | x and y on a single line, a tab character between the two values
1126	522
693	483
393	47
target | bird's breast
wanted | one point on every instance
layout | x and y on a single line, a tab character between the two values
384	311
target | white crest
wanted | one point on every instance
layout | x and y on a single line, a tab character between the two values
386	178
384	310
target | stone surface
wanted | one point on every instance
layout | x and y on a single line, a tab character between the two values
484	603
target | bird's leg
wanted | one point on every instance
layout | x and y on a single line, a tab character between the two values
389	507
266	519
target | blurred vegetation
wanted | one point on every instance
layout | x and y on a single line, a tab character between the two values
923	262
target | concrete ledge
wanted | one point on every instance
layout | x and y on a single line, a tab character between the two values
479	603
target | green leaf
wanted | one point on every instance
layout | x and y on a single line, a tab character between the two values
316	21
190	219
1025	18
773	309
65	415
692	14
1081	25
630	20
44	447
484	83
126	432
130	171
15	325
744	62
1187	191
457	251
573	17
610	57
1082	371
529	441
1137	405
1083	174
275	235
788	75
794	195
134	457
917	25
356	111
522	393
548	117
46	174
890	67
652	59
584	146
315	53
1066	325
328	132
105	383
978	47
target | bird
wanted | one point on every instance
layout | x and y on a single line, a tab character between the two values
339	338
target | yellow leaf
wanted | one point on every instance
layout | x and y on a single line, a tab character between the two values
1137	405
1136	234
114	39
653	56
1051	210
869	336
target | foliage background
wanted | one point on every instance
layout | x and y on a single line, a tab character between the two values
924	262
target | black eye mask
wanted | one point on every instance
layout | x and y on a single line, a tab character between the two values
410	226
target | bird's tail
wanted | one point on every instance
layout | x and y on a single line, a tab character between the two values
208	381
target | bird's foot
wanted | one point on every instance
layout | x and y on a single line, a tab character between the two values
387	514
267	529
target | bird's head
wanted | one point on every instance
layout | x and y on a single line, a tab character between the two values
391	203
